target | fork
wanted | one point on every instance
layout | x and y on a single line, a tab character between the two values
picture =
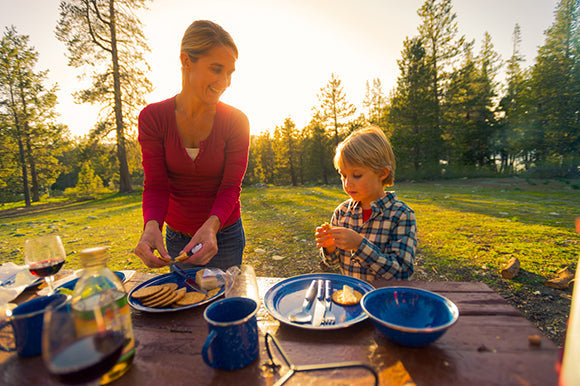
329	317
9	280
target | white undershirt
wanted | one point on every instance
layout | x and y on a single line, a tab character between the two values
193	152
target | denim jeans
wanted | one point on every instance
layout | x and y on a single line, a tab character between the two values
231	241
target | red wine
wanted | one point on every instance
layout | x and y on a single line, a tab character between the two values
87	358
46	268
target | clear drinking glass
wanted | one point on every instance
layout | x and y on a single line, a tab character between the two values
74	356
44	257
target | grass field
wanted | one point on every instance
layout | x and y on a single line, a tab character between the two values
475	225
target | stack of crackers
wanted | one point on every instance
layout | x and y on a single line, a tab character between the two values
169	295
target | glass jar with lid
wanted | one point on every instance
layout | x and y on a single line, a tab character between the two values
96	292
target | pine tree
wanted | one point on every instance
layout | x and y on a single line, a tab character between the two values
411	111
439	34
334	107
374	102
555	88
89	183
28	110
106	36
318	151
510	139
285	139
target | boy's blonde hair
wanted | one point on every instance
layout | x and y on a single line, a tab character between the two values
367	147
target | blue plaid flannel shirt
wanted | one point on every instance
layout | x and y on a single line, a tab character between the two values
390	240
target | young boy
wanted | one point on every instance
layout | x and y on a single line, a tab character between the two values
373	235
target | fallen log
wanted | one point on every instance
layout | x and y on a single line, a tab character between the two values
512	269
563	281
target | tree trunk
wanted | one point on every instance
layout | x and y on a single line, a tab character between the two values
29	153
32	164
25	186
124	176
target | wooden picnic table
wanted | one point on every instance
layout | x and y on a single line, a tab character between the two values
487	346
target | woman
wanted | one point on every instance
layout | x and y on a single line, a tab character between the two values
195	154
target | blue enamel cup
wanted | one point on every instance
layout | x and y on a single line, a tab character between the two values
27	321
232	342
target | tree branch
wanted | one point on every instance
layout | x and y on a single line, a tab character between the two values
96	38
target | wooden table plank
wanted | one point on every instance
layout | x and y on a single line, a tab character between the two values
488	345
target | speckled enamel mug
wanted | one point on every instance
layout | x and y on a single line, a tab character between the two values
232	342
26	321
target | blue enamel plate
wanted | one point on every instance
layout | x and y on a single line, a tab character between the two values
70	285
169	278
287	296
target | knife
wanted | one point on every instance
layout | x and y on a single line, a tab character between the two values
318	305
188	281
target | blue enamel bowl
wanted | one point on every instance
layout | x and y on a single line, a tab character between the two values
409	316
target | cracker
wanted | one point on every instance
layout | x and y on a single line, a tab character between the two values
338	297
171	286
164	303
167	299
164	259
213	292
163	292
147	291
190	298
181	257
180	294
153	301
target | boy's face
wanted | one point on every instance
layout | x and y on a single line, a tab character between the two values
362	183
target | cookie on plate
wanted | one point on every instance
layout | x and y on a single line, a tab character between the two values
149	291
190	298
346	296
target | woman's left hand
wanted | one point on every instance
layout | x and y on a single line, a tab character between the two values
206	236
345	238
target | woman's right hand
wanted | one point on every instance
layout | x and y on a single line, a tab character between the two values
152	240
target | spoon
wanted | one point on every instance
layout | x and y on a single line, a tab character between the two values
301	315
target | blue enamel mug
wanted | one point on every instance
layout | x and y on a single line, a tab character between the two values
27	321
232	342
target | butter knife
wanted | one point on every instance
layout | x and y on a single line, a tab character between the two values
319	306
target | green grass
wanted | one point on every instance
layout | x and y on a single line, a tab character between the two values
467	229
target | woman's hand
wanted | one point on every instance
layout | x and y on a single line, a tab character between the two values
206	236
152	240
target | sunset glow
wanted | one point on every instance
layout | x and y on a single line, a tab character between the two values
288	49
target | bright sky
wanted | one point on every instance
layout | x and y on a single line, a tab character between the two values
288	48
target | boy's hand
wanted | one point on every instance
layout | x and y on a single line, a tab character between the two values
345	238
324	238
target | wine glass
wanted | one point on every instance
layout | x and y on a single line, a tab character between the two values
44	257
77	349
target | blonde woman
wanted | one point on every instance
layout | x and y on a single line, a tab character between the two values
195	154
372	235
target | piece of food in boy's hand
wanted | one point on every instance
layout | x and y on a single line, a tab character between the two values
346	296
326	226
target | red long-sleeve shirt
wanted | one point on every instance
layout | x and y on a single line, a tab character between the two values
183	192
